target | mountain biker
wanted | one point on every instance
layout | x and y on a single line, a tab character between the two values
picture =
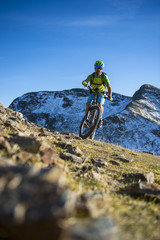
98	79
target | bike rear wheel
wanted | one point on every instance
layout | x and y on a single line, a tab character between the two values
89	122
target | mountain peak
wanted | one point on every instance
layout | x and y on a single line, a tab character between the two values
146	89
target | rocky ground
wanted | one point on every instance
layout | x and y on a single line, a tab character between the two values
58	186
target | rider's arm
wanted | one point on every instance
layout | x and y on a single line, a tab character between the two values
107	84
109	91
88	79
85	83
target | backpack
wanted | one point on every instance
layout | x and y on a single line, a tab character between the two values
102	77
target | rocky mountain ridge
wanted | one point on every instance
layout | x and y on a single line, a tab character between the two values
138	125
58	186
131	122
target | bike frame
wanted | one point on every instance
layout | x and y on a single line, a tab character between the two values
96	94
94	101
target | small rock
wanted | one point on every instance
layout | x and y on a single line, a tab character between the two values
11	122
71	157
115	163
148	152
102	228
6	162
145	177
90	194
4	144
86	168
145	189
40	165
100	170
22	157
74	150
116	183
140	177
50	157
29	144
22	127
19	115
127	160
149	177
96	175
100	162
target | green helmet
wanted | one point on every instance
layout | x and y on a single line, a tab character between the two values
99	64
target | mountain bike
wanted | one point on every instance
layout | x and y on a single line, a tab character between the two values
91	119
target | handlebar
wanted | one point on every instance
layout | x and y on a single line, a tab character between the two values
97	89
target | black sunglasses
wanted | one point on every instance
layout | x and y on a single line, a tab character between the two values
99	68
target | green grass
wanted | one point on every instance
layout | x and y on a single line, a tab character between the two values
137	217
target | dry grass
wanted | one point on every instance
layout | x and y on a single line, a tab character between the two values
138	217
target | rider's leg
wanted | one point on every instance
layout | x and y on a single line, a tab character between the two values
87	106
101	101
100	104
91	96
102	109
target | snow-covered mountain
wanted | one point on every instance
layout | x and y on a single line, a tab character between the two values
137	126
132	122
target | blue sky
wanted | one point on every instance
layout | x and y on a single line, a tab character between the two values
52	45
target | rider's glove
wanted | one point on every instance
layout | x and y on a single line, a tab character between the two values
110	98
85	83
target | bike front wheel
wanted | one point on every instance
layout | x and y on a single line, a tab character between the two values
89	122
92	134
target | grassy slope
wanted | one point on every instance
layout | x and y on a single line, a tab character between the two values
137	217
